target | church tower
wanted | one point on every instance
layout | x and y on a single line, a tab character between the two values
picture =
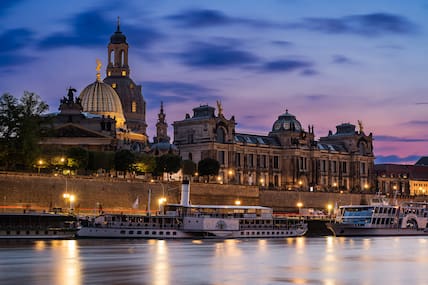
130	94
161	128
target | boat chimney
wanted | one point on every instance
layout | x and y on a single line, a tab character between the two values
185	193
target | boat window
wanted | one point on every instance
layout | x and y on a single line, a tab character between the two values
174	233
138	232
122	232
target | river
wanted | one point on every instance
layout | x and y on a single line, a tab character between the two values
321	260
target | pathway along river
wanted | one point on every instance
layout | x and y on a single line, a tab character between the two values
322	260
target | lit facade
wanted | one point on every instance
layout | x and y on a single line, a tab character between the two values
288	157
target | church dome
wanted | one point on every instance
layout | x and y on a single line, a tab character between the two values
100	98
287	122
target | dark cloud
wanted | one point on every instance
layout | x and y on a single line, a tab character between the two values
15	39
286	65
172	91
399	139
369	25
282	43
201	18
316	97
396	159
91	28
417	123
421	103
216	56
5	5
341	59
309	72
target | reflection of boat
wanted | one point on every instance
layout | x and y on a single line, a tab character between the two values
34	225
195	221
381	219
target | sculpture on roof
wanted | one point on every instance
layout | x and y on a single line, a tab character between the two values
219	107
360	126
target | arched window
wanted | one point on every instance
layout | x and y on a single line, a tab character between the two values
133	107
221	135
362	148
111	57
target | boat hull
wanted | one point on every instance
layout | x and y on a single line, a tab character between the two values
352	230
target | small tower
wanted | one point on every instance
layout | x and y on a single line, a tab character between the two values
161	127
118	54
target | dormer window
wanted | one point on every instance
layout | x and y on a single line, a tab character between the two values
133	107
123	73
114	85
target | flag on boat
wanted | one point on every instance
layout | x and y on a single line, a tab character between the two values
136	202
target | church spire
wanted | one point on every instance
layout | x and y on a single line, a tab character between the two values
161	127
118	25
118	54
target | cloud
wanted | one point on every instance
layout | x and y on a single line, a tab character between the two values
369	25
417	123
411	159
286	65
341	59
5	5
399	139
282	43
202	18
173	91
91	28
316	97
14	39
216	56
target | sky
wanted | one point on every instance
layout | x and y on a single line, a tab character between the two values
327	61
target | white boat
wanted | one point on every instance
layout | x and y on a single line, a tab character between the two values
195	221
37	225
381	219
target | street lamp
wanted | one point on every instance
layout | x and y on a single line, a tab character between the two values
329	208
39	165
69	198
237	202
299	205
300	185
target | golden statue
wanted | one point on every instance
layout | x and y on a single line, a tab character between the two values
360	126
98	68
220	109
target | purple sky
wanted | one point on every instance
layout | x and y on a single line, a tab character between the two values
327	62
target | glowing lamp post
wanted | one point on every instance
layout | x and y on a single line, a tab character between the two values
39	165
237	202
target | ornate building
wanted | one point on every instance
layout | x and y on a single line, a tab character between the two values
118	77
288	157
161	142
71	127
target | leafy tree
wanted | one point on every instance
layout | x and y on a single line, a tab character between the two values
169	163
77	158
208	166
101	160
123	161
20	129
188	167
145	163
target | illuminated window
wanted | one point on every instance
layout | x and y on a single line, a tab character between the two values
131	86
113	85
134	107
123	73
109	73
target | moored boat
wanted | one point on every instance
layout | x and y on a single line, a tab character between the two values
381	219
195	221
37	225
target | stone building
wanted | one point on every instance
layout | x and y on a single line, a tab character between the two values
403	179
288	157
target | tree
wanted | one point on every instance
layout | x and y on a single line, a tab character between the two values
145	163
77	158
123	161
101	160
188	167
169	163
208	166
20	129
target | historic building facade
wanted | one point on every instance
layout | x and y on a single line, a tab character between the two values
288	157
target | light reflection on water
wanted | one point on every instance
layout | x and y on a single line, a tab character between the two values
326	260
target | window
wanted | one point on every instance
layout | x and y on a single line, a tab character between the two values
250	160
221	157
133	107
221	135
114	85
276	162
109	73
123	73
238	159
344	170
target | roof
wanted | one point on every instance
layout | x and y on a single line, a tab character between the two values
256	139
422	161
330	147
